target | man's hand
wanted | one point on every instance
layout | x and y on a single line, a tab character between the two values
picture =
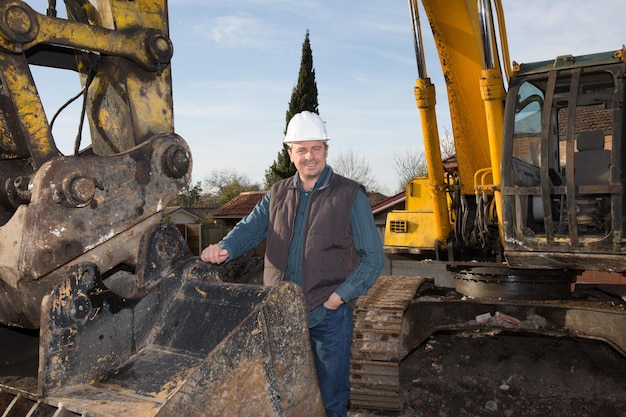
333	302
214	254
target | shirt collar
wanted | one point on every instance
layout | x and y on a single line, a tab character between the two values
321	182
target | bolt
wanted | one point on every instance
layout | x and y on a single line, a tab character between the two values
82	190
176	161
80	308
18	20
159	48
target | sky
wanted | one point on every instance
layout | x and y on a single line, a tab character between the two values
236	63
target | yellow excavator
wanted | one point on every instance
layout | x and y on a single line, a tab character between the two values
536	198
104	311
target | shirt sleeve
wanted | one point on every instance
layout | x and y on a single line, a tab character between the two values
249	232
368	245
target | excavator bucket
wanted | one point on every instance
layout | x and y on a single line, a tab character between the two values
187	345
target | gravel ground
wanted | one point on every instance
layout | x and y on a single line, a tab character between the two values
492	374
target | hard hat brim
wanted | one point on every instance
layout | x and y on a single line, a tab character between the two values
305	140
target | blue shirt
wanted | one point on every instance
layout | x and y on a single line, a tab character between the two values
253	229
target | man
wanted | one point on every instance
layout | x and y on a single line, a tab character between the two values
321	235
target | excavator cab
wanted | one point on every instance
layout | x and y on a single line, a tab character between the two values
562	183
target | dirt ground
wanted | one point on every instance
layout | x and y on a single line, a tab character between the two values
479	374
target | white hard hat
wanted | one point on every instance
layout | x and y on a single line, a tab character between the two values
306	126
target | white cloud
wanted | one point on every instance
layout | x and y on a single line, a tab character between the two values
241	31
540	30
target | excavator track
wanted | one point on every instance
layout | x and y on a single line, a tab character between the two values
376	343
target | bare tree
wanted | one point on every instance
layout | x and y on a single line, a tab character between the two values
412	164
227	184
446	143
409	165
350	165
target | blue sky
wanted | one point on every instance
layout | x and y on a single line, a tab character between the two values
236	62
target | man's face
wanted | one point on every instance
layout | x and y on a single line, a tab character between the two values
309	158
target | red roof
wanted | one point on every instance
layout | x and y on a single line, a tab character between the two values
240	206
244	203
389	203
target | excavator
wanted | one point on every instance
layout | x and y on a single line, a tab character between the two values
535	200
104	310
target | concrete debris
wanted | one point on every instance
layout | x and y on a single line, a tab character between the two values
500	319
491	405
504	386
483	318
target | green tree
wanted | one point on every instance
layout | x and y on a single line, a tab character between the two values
303	97
189	196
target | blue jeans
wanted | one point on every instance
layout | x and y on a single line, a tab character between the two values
330	340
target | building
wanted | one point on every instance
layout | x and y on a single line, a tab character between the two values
190	222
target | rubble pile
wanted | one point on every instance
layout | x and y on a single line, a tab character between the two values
247	269
480	373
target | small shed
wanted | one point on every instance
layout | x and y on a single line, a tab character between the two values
187	215
189	221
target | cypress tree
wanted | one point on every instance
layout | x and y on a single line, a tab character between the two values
303	97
